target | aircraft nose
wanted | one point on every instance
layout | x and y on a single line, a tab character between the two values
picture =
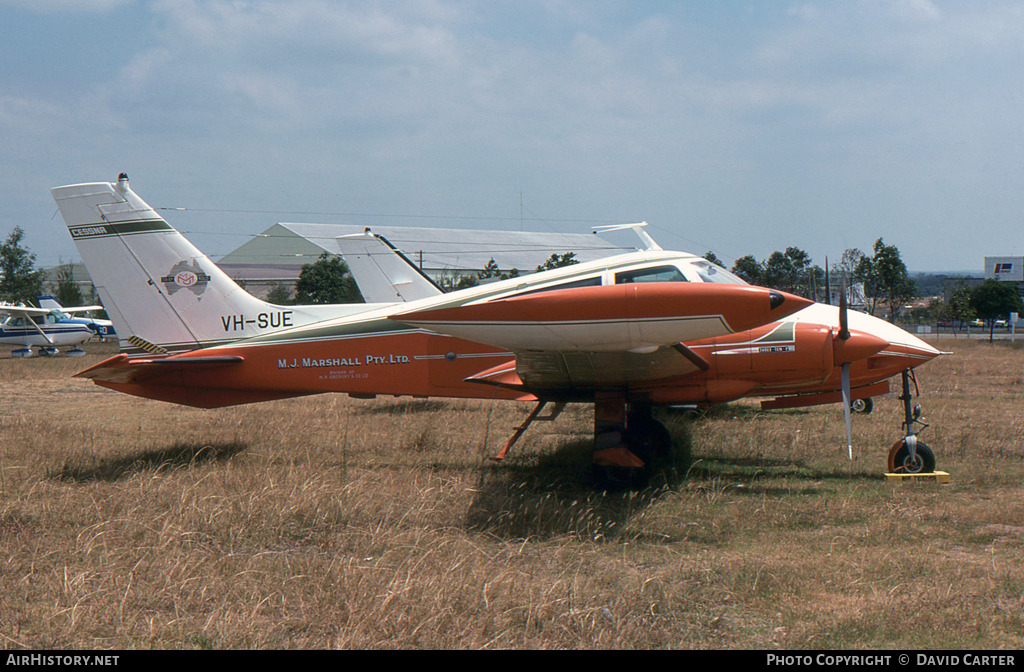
793	303
860	345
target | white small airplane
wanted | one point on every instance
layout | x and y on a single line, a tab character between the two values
28	326
626	333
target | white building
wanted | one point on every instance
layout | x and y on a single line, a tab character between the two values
277	255
1006	269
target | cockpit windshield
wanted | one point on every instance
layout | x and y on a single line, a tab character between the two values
709	272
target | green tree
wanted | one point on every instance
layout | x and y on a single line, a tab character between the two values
779	272
491	270
558	261
451	280
842	274
67	293
885	279
279	294
815	279
713	258
19	281
993	300
749	269
958	308
789	271
326	281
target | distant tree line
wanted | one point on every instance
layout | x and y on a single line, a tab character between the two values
883	276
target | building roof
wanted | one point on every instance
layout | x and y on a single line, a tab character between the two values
287	245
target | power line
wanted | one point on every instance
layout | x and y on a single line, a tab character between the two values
395	216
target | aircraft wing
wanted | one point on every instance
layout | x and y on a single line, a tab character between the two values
547	370
608	336
51	303
81	309
22	311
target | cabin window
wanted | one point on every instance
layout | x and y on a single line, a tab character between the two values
586	282
709	272
656	274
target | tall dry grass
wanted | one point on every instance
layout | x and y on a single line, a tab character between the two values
332	522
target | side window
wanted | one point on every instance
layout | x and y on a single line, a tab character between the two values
586	282
709	272
656	274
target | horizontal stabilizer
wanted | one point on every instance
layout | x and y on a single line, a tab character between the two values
125	369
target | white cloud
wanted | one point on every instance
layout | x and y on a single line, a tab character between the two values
595	109
66	6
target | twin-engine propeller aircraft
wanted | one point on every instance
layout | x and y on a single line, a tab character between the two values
625	333
48	327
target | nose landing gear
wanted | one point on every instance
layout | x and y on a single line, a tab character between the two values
909	455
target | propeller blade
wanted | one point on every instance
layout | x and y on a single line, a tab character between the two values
846	407
844	325
828	285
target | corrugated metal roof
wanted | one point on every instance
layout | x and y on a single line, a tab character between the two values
439	249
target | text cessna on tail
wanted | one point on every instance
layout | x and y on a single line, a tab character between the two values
625	333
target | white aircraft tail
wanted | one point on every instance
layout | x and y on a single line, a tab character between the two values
163	294
383	273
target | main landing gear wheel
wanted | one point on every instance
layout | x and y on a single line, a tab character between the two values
627	457
900	461
649	440
864	406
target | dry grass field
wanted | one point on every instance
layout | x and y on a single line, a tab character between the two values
331	522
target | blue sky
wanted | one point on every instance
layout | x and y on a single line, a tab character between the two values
737	127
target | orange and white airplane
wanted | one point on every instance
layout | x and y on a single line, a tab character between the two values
626	333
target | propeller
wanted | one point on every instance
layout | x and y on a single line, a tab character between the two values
844	335
849	347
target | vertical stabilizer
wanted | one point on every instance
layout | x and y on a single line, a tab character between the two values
382	272
158	288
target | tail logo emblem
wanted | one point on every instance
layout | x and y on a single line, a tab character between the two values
184	275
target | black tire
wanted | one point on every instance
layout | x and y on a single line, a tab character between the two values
864	406
900	463
649	440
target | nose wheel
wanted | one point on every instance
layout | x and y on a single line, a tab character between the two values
903	460
910	455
